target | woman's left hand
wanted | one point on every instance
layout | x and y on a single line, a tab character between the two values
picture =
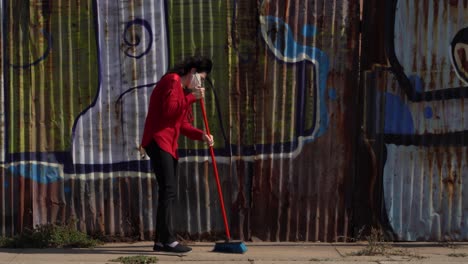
198	92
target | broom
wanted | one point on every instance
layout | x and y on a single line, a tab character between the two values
227	246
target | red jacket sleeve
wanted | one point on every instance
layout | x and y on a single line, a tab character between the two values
172	103
190	131
191	98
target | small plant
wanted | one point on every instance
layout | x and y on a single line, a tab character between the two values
50	236
136	260
375	244
6	242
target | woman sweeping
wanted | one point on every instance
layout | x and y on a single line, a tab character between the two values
169	115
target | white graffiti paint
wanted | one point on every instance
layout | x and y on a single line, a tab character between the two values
424	190
423	50
133	55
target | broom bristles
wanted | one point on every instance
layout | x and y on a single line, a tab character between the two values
230	247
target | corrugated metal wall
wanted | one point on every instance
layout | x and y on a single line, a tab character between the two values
416	117
76	76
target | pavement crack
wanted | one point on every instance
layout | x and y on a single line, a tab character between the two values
337	251
15	257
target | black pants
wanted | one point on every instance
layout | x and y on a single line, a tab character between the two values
165	168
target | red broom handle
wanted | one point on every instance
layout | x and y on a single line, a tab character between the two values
215	169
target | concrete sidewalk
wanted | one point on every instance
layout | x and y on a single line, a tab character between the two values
258	253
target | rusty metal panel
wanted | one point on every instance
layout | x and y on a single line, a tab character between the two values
421	123
292	98
429	43
424	192
76	80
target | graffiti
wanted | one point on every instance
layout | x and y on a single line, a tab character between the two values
106	127
401	65
111	127
459	54
48	37
424	130
76	89
398	117
280	40
45	97
31	29
40	172
423	192
426	91
132	39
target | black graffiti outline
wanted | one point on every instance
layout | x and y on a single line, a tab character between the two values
461	36
427	139
43	57
398	70
145	24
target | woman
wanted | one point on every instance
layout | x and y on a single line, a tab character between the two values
169	115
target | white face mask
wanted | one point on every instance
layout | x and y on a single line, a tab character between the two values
196	81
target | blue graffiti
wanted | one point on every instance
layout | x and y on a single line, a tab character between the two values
136	39
280	40
428	113
41	58
309	31
417	82
398	117
332	94
66	189
41	173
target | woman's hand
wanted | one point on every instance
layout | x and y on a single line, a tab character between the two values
208	139
198	92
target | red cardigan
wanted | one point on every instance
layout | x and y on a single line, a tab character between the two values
168	115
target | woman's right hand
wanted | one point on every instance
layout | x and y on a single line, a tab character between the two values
208	139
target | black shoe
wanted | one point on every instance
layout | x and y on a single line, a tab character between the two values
158	247
179	248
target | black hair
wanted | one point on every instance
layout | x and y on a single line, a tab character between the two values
200	63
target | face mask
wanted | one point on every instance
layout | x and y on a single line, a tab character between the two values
196	81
